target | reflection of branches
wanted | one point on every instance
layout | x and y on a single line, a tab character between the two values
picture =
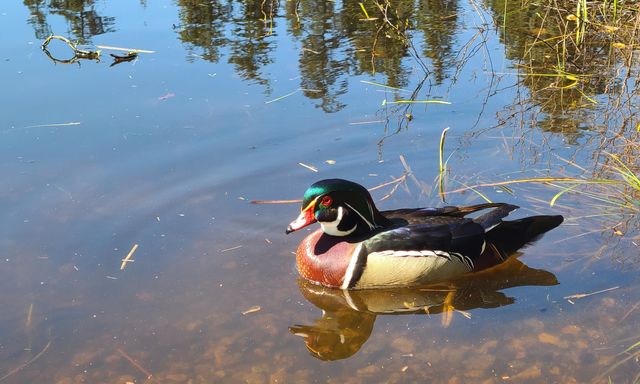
403	113
559	78
267	18
82	19
400	28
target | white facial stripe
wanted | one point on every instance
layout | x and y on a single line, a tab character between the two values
371	226
491	227
373	217
331	227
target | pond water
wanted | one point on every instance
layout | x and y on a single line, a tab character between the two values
256	100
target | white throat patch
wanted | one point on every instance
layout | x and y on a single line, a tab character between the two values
331	227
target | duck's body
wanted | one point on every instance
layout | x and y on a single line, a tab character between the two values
360	247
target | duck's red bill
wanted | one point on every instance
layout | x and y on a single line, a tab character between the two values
305	218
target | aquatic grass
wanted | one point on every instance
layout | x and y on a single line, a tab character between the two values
627	174
534	180
582	20
384	86
366	14
442	171
577	72
442	164
612	192
566	37
629	354
443	135
622	192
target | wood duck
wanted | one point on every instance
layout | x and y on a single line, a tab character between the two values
360	247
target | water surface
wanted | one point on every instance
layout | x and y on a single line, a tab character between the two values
167	151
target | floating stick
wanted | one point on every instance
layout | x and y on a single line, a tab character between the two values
128	258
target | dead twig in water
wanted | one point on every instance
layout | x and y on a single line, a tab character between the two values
136	50
54	125
309	167
117	59
396	182
21	367
230	249
78	53
253	309
583	295
128	258
534	180
276	201
409	173
135	363
630	311
399	180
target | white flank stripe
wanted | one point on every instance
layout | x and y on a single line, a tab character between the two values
348	275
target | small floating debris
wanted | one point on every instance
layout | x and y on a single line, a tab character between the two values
283	96
384	86
255	308
128	258
385	102
117	59
167	96
136	50
366	122
230	249
78	53
293	201
29	316
583	295
138	366
54	125
309	167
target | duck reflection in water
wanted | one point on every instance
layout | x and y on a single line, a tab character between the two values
349	315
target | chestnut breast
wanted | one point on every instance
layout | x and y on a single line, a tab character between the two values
324	259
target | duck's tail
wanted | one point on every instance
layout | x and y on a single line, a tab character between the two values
509	236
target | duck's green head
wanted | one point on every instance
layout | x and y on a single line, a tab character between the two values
341	207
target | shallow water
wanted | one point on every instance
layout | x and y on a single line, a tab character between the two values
167	151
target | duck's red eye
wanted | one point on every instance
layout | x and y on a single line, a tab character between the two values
326	201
